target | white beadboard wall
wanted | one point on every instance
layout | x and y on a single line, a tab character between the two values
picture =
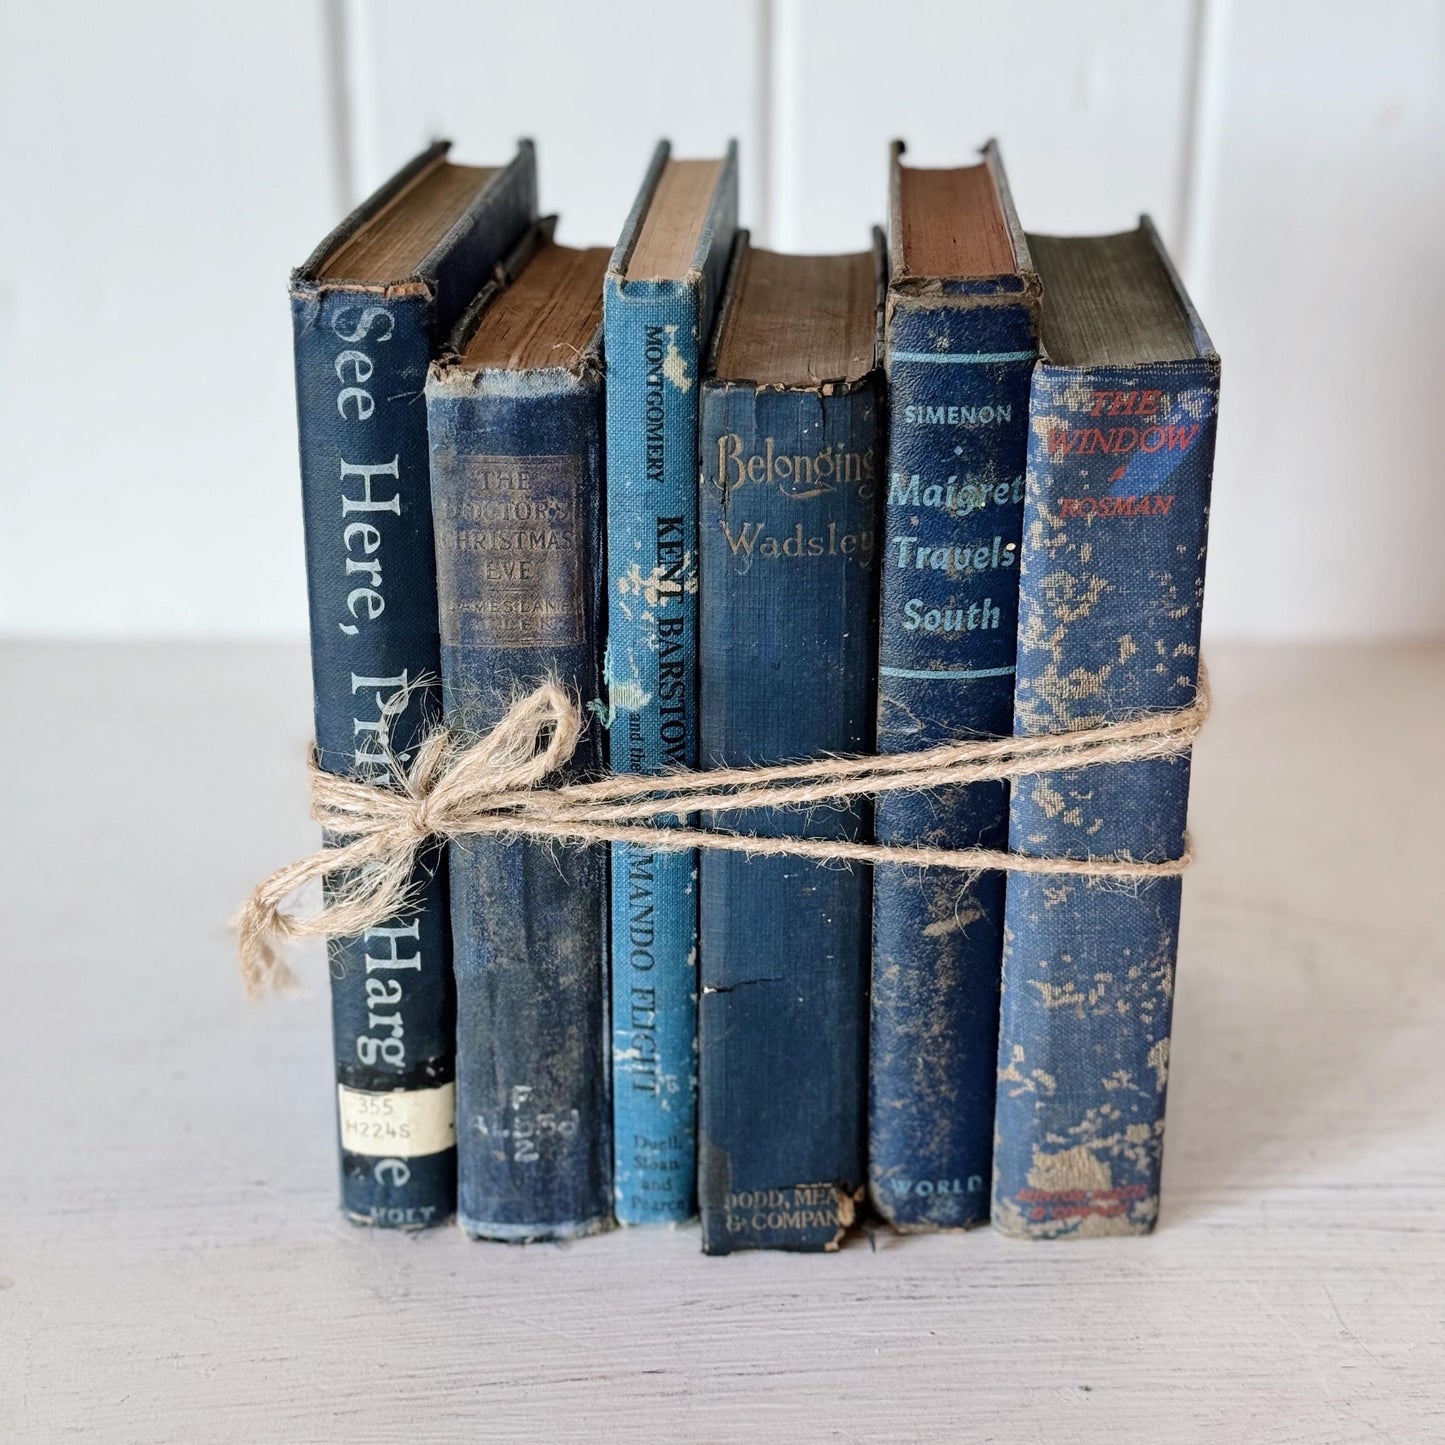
166	164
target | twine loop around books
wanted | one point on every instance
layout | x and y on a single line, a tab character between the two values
456	788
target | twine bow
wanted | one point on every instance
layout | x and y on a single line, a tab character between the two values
454	788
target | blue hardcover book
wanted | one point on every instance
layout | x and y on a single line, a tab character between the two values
1121	450
661	295
515	411
961	336
792	463
367	309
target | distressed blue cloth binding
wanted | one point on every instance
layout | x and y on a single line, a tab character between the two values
958	352
517	501
1115	525
361	357
655	332
791	486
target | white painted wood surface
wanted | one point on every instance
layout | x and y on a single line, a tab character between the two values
172	1266
1317	255
1091	104
594	85
163	166
176	160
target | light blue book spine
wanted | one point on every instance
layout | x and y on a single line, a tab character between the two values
654	333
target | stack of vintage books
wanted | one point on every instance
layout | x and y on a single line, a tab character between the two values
755	508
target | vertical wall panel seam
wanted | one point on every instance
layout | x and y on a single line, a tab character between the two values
358	55
1199	181
765	162
340	90
787	61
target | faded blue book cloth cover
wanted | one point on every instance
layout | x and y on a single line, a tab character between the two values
790	495
516	468
362	349
655	332
1116	517
958	353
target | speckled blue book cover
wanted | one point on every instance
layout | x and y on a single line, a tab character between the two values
958	354
362	351
1115	524
655	332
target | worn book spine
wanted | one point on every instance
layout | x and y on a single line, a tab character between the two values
516	490
360	365
1112	586
654	333
958	364
790	499
361	357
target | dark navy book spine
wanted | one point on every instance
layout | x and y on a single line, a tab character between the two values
655	332
517	499
361	361
1112	587
789	539
958	376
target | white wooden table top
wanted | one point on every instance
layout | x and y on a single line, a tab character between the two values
172	1265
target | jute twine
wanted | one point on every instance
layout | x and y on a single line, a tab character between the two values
457	788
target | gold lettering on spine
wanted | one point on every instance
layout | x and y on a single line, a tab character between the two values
509	554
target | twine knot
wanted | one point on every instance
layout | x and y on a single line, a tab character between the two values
453	788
